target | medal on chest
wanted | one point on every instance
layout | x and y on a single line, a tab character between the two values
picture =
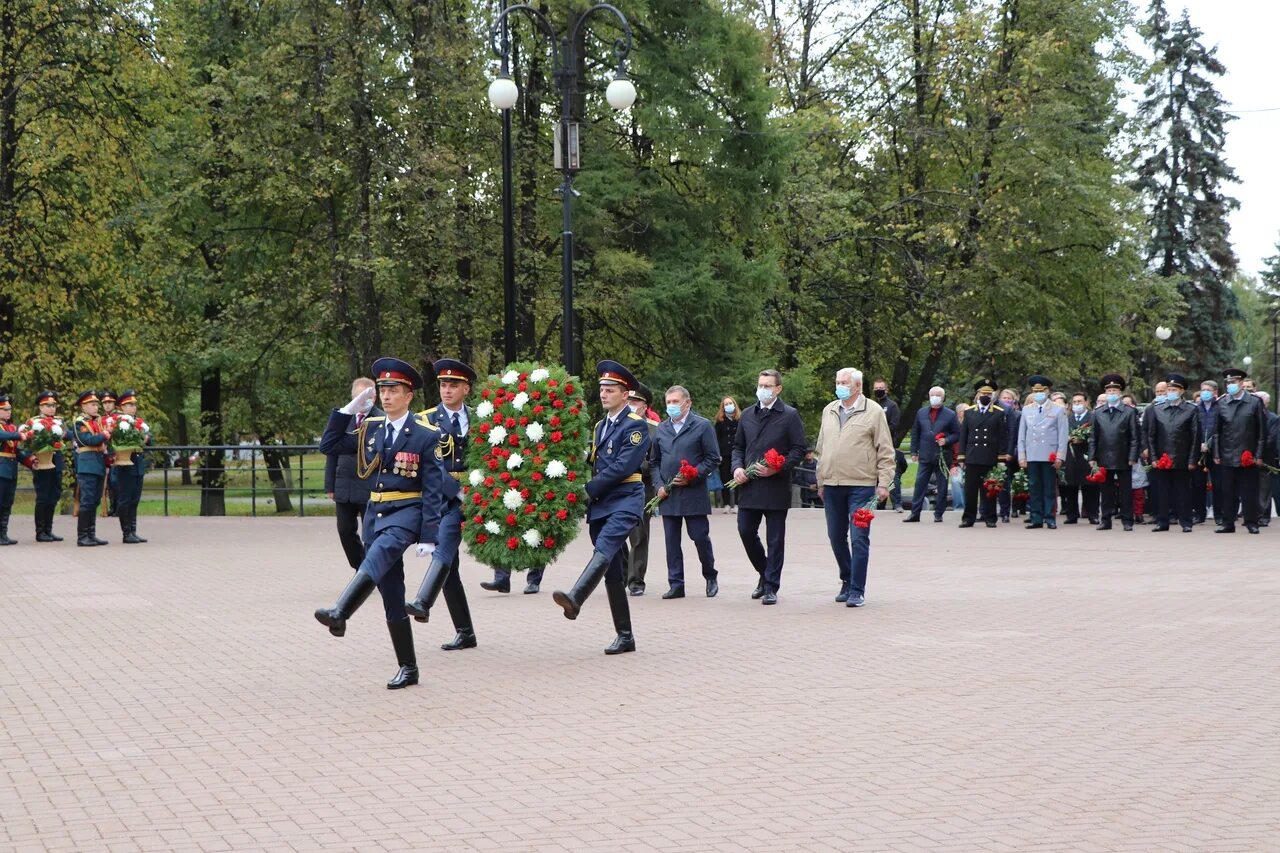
406	464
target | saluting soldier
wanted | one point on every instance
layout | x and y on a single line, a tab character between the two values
396	452
984	443
1241	428
453	418
9	458
1173	428
127	479
109	403
619	445
1114	444
91	439
47	482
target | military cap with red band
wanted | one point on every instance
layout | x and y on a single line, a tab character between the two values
614	373
395	371
451	368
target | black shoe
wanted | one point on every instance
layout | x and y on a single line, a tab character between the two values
966	524
1071	521
464	640
496	586
991	524
635	590
911	519
358	590
532	588
1252	528
713	587
401	631
674	592
620	610
1093	519
1104	525
937	519
843	596
1052	525
1005	519
1160	528
429	590
590	578
1128	525
1036	526
855	601
5	540
1187	528
621	644
1225	528
758	591
769	598
83	539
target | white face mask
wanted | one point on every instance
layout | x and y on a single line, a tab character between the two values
764	395
1078	408
935	401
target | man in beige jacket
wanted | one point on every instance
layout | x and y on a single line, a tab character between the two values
855	467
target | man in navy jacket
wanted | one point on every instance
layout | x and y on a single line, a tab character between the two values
685	435
932	453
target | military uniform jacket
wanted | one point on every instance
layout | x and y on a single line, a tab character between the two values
1242	425
340	476
453	447
759	429
91	446
984	437
697	443
617	452
1174	430
1114	441
408	473
1077	466
1042	431
10	453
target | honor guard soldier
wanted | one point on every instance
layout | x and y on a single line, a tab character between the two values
636	554
109	403
1114	444
9	457
126	480
453	418
396	452
47	482
91	467
1241	429
984	442
619	446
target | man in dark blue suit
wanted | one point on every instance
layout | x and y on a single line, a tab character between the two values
685	436
1205	482
619	445
932	454
453	418
397	454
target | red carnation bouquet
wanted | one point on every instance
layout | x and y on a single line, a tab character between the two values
1097	474
688	471
1164	463
772	460
994	482
863	515
1247	460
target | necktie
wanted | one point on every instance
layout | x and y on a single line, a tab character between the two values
457	426
390	437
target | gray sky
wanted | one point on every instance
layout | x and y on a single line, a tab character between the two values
1244	32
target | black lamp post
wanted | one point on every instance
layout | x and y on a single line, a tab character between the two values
503	94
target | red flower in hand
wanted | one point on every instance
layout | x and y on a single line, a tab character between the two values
1164	463
862	517
689	472
1246	459
774	459
1053	457
940	438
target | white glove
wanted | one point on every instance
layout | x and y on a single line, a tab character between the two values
360	404
425	549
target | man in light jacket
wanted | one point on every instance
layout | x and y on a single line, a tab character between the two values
685	435
1042	448
855	467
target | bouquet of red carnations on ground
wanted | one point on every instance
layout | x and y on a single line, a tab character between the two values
688	472
772	460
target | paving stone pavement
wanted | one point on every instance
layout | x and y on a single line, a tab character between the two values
1003	690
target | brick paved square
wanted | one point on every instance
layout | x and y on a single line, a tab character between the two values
1003	690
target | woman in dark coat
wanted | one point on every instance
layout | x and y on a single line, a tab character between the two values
726	431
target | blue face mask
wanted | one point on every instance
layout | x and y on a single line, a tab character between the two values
673	410
1206	395
1233	389
1040	396
764	395
729	408
1113	398
843	392
1173	396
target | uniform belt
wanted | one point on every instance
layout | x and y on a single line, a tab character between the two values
8	456
458	475
634	478
88	450
382	497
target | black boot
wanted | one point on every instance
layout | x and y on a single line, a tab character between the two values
93	531
43	520
48	523
621	611
401	631
573	600
83	539
455	597
356	593
129	524
432	582
4	528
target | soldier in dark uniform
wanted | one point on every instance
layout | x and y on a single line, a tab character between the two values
9	458
349	493
128	478
1114	444
48	482
619	445
109	402
453	418
396	452
636	550
91	467
1173	428
1241	428
1075	489
984	442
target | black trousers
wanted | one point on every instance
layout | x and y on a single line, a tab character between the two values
349	517
1073	496
973	477
1172	491
1117	495
1239	488
699	528
8	488
926	472
767	565
1205	486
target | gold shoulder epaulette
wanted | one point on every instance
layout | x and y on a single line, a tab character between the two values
633	416
422	421
428	411
374	418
